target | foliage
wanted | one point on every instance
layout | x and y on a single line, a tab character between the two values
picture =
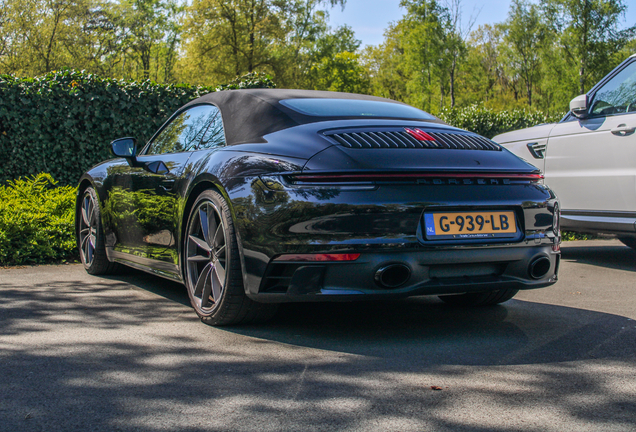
62	123
36	221
342	73
228	38
541	56
525	35
570	236
489	122
252	80
588	34
136	39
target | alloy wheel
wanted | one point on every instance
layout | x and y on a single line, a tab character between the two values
88	230
206	256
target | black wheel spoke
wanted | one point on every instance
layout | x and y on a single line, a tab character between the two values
85	216
201	243
83	244
217	240
203	221
217	285
207	290
91	214
201	281
213	226
198	258
220	271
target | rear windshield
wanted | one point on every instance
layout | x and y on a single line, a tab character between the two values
354	108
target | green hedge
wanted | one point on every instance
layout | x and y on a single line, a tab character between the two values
62	123
489	122
36	221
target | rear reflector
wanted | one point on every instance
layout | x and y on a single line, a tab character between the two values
318	257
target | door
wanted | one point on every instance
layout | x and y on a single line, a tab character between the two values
591	163
144	201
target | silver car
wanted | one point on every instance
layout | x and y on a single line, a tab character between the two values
589	157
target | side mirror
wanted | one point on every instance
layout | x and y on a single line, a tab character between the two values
126	148
578	106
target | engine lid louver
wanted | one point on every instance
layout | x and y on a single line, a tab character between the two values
401	139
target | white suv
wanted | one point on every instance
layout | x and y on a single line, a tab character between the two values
589	157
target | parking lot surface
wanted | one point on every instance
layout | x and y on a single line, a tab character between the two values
127	353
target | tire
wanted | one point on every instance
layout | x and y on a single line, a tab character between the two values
212	268
480	299
90	236
629	242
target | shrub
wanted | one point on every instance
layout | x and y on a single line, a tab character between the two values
488	122
36	221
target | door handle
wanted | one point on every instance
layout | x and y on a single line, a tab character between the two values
623	130
167	185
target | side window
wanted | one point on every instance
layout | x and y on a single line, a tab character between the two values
190	131
213	135
618	95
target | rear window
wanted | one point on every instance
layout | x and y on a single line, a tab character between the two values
354	108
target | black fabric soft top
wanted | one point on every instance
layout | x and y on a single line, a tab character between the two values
250	114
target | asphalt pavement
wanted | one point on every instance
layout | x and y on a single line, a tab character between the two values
127	353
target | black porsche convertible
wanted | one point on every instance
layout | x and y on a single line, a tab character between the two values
256	197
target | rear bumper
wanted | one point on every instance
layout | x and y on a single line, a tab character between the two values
430	272
384	223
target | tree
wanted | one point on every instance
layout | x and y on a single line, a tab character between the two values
454	42
149	28
342	72
387	66
587	32
227	38
306	24
422	44
333	58
484	74
524	36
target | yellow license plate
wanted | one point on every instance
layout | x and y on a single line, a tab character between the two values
468	225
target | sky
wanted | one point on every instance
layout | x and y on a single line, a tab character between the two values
369	18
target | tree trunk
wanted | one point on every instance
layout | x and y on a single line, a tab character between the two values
452	82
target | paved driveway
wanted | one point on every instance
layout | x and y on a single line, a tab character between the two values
127	353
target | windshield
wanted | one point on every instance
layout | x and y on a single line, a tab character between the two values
354	108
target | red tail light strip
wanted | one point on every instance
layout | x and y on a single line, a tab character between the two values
318	257
380	176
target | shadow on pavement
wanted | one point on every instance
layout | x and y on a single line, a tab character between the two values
612	256
128	353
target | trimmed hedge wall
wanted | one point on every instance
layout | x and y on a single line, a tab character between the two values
62	123
488	122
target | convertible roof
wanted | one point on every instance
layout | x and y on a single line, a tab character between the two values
250	114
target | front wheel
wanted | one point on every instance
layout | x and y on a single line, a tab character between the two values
90	236
479	299
213	271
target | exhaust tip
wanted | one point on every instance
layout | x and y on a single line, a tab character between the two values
539	267
393	275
